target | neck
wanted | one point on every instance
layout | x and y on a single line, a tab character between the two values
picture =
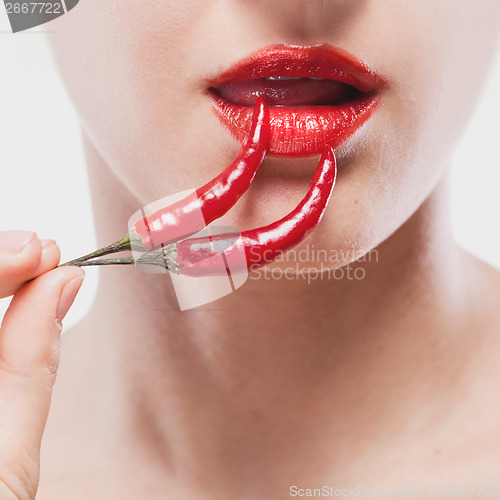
217	391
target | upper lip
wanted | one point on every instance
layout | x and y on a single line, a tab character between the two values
319	61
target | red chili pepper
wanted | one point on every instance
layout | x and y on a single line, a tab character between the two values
258	247
214	199
251	249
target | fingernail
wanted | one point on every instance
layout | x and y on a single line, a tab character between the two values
46	243
15	241
67	297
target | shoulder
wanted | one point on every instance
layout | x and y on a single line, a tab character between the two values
483	291
478	373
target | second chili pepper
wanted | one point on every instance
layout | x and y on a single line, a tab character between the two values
234	252
256	247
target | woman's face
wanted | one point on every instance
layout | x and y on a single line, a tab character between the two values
137	71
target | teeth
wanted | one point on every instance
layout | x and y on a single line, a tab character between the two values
283	78
291	78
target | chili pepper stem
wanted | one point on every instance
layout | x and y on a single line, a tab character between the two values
164	258
119	246
101	262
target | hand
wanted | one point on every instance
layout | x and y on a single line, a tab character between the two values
29	352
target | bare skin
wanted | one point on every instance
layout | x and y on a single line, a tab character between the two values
387	381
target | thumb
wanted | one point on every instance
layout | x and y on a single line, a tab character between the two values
29	357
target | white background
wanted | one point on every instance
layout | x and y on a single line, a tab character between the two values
41	151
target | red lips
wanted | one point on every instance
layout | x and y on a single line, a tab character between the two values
323	96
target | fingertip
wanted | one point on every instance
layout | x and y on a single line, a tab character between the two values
64	275
50	256
20	253
44	292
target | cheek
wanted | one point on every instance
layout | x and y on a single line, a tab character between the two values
127	67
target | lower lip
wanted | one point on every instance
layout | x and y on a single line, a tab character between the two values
300	131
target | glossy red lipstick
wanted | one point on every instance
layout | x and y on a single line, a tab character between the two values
318	96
